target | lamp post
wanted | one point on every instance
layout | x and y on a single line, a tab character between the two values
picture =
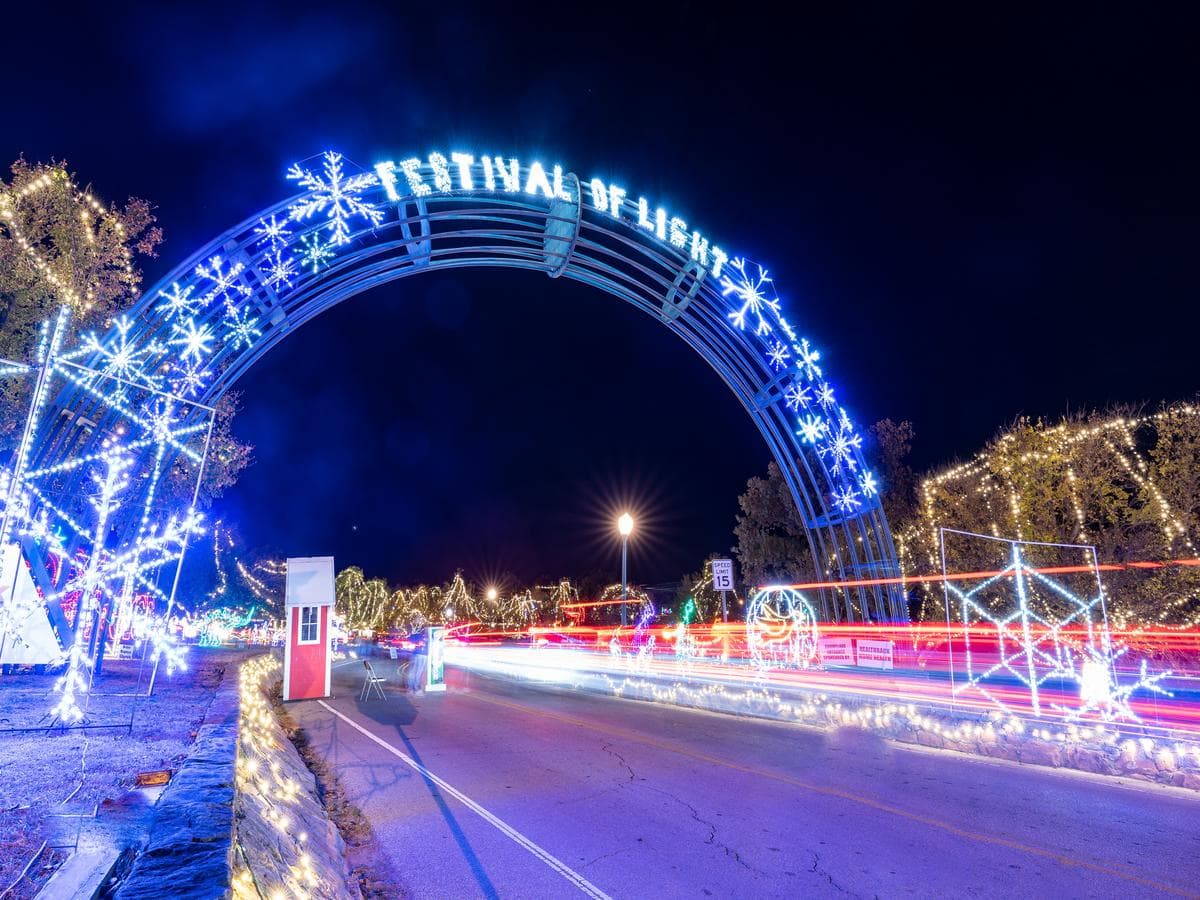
625	526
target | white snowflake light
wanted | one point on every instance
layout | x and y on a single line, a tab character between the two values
224	284
811	429
279	268
124	359
192	339
778	355
178	302
335	195
754	293
797	396
845	498
188	379
273	232
806	360
825	395
838	451
870	487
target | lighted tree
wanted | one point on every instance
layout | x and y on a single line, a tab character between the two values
60	244
1126	484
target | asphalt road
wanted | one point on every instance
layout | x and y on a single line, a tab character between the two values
498	789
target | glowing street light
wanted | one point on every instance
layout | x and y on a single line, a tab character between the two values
491	593
625	526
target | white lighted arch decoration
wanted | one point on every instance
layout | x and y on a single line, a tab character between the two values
781	630
351	228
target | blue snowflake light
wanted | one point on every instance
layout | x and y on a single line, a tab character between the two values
870	487
314	253
241	329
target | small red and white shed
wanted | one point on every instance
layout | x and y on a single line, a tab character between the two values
309	610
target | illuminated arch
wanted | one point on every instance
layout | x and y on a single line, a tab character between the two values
212	317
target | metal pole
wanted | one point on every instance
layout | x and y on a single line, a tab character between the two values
724	609
624	580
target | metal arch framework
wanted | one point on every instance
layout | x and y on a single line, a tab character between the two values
277	269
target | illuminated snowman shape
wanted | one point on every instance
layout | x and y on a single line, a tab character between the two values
781	630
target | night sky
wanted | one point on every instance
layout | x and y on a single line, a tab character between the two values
973	215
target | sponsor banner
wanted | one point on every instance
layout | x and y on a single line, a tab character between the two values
875	654
835	651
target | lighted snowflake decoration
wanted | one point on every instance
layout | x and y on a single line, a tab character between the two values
825	395
751	291
273	232
160	420
178	302
125	359
314	253
241	329
188	380
335	195
778	356
806	360
811	429
192	339
223	283
839	450
845	498
797	396
1044	632
868	484
279	269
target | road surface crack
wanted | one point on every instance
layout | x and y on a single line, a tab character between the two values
816	870
607	748
712	832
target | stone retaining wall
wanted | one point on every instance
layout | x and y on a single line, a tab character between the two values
284	842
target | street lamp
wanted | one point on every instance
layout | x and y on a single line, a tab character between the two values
625	526
491	593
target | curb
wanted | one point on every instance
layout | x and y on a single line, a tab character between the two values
189	849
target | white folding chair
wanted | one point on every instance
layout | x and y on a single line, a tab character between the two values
372	682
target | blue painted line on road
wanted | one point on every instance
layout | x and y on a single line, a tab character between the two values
499	824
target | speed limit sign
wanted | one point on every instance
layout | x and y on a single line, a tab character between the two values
722	570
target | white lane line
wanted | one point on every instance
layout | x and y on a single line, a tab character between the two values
503	827
344	662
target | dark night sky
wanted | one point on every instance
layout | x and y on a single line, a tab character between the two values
973	214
